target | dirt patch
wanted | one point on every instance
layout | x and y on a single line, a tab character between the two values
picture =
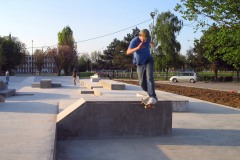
231	99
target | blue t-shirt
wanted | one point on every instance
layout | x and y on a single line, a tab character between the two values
142	55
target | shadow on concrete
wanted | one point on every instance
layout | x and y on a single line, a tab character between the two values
208	108
37	96
29	107
145	148
209	137
109	149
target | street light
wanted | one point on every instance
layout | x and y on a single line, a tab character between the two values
32	57
152	14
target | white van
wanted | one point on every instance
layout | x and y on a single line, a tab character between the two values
184	77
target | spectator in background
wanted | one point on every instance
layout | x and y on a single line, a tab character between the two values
74	75
7	77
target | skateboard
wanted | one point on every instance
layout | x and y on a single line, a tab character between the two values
147	106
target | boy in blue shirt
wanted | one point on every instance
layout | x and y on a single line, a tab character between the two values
140	48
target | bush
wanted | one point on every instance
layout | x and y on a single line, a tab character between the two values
85	74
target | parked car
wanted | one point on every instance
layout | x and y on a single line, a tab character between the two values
184	77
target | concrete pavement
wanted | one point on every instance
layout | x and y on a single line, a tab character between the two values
208	131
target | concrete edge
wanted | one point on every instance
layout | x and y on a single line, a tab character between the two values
69	109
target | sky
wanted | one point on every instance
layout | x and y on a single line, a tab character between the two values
40	21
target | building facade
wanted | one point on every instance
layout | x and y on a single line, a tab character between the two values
28	67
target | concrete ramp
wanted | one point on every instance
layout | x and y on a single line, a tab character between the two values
102	118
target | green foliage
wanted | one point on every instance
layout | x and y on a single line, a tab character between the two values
167	27
222	12
224	44
65	37
83	63
196	58
12	52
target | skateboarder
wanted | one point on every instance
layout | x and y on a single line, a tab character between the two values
74	75
7	77
140	48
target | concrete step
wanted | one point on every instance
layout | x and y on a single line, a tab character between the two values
27	130
113	118
7	92
90	85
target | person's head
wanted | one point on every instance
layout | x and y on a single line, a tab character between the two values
144	35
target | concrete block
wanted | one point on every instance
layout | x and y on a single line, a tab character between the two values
180	106
113	119
2	99
86	92
46	83
95	79
112	85
36	85
2	85
56	84
7	92
92	85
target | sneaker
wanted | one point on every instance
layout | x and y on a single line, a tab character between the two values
145	99
152	100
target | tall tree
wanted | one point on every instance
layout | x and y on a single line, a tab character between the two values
66	49
83	62
167	27
68	57
12	52
65	37
222	44
95	56
54	54
222	12
222	35
39	56
106	59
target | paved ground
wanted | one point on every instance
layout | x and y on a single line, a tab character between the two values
226	86
208	131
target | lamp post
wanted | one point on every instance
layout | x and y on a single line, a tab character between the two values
152	14
32	57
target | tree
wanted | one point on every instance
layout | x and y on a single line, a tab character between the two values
39	57
167	27
222	35
83	62
222	12
222	44
66	49
65	37
94	57
53	53
68	57
127	60
196	57
106	59
12	52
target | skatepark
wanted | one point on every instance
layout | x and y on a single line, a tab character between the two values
105	120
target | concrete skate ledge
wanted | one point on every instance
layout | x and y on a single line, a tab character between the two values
46	83
2	99
7	92
90	85
112	85
95	118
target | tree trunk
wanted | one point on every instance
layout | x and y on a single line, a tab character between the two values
59	72
215	65
131	75
237	75
167	72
